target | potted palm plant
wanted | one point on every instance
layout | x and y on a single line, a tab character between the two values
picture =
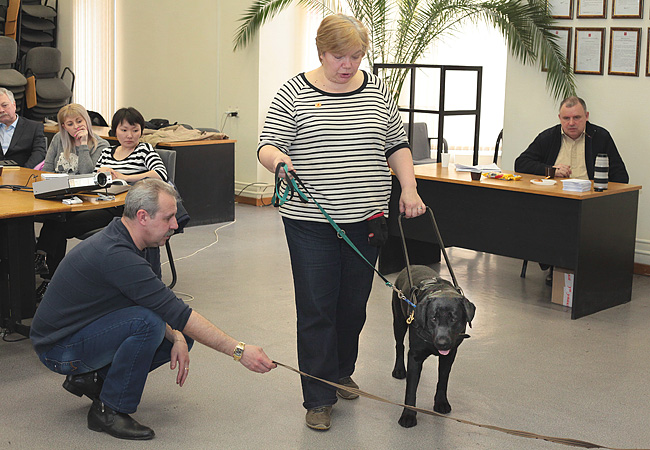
402	30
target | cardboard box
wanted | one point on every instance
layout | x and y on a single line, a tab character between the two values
562	292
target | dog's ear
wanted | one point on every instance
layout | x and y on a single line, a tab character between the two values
470	309
422	311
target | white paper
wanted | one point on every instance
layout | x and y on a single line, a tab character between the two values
559	8
627	7
588	51
624	52
591	8
478	168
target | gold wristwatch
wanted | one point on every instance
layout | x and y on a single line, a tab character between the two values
239	351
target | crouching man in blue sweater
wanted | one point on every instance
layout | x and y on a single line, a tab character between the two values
107	319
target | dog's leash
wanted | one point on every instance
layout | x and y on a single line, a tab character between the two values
292	187
525	434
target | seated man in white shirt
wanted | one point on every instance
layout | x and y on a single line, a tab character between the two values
22	140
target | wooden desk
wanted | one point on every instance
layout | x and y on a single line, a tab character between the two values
591	233
205	176
17	211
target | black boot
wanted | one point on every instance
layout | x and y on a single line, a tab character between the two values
88	384
117	424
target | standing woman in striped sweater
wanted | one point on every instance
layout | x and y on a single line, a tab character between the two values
339	129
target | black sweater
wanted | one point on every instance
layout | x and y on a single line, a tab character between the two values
102	274
544	150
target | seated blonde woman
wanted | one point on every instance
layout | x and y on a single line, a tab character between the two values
75	149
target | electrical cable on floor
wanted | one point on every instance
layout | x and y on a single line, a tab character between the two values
266	186
190	296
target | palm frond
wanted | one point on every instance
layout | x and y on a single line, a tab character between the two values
261	12
402	30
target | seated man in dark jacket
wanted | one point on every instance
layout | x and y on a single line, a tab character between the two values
572	146
22	140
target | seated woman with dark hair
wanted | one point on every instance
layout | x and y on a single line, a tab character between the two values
130	161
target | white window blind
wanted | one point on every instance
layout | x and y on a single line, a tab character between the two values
94	55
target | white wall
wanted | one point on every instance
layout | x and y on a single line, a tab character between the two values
178	63
617	103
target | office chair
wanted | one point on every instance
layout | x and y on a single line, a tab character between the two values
10	78
169	160
11	20
97	119
421	143
52	92
496	146
524	264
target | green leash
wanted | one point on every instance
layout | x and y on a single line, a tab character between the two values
280	199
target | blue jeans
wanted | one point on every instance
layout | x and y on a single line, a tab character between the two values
332	284
123	347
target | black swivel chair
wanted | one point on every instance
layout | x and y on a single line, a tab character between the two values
524	265
169	159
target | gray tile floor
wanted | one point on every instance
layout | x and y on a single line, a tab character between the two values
527	365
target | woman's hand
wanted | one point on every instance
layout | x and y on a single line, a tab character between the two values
270	157
410	203
81	136
180	355
114	173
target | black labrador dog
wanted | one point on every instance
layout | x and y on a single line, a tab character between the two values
438	328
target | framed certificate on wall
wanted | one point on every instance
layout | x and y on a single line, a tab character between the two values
624	49
560	9
588	51
592	9
627	9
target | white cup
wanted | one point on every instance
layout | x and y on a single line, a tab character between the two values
445	159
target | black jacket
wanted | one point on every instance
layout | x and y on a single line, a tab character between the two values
28	144
544	150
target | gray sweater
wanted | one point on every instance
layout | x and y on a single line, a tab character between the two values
102	274
82	160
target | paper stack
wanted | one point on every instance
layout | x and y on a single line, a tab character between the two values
575	185
478	168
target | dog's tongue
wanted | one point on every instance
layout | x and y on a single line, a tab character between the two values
443	352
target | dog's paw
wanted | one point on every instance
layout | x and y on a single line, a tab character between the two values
442	407
408	419
399	372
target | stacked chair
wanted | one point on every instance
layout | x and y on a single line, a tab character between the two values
52	92
10	78
10	18
38	27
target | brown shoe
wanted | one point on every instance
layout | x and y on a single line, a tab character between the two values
319	418
345	395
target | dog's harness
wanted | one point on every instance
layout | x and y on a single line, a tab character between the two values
415	290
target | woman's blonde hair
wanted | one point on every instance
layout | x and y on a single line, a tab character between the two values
340	34
69	111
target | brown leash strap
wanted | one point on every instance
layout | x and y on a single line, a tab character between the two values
525	434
